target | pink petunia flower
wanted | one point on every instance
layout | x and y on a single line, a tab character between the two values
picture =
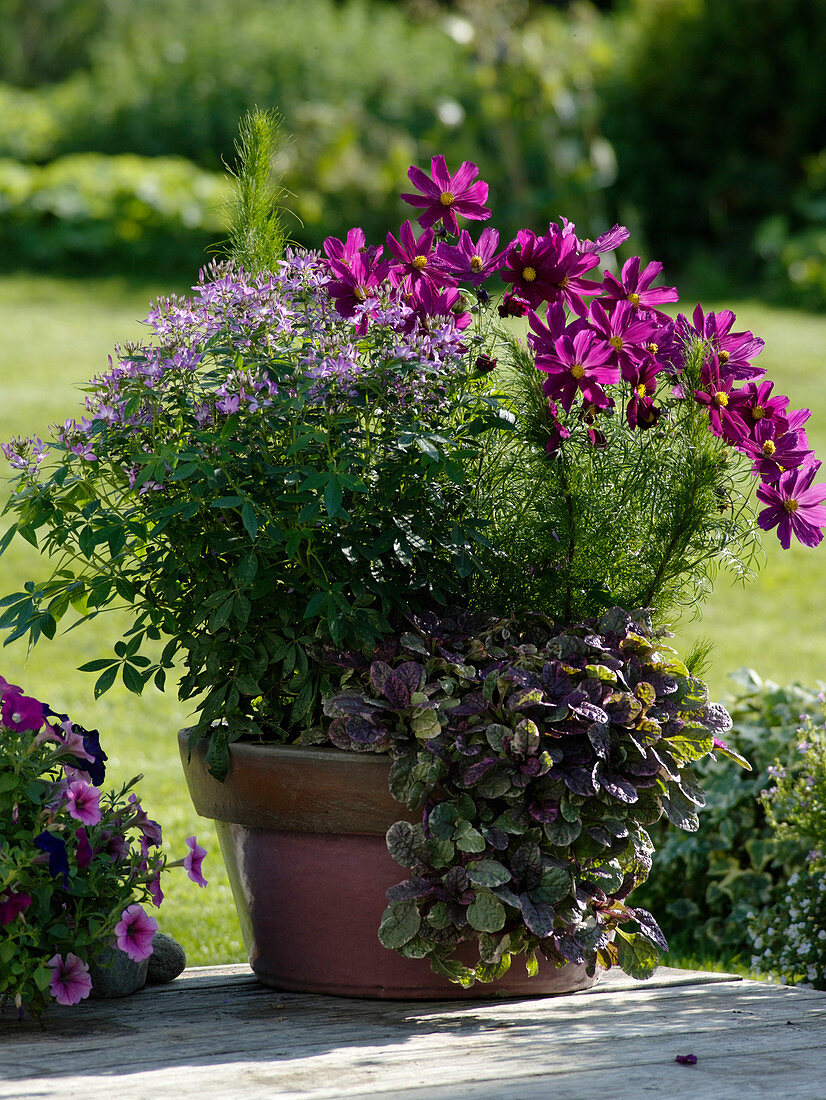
134	932
70	982
194	859
445	195
21	712
83	853
83	802
12	904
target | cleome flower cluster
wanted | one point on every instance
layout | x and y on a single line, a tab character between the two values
75	863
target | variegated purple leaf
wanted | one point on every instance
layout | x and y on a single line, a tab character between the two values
543	811
649	928
569	949
599	734
578	781
538	916
472	703
363	732
527	865
415	887
615	785
396	691
413	675
475	772
380	671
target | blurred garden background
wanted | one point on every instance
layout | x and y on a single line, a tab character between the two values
699	125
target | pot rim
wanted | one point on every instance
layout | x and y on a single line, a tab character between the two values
295	788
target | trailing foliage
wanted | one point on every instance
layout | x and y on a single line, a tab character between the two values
75	861
705	885
540	757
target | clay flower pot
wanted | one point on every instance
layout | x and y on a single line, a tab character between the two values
302	831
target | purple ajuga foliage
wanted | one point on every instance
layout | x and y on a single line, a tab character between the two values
537	759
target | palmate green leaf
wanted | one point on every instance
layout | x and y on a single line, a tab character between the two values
400	922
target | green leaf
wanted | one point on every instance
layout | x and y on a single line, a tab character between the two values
249	520
554	885
132	679
486	913
105	680
333	497
488	872
400	922
638	956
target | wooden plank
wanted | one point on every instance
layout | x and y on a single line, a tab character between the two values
218	1033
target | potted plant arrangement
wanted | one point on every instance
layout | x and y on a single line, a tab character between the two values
417	570
77	865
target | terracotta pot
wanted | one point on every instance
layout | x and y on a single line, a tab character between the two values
302	833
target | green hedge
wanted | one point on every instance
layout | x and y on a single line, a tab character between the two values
711	108
703	885
162	212
364	89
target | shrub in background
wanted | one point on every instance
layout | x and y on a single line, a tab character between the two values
160	211
792	242
711	109
706	883
789	937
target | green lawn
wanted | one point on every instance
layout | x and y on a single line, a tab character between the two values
58	333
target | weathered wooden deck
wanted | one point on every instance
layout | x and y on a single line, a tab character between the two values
216	1033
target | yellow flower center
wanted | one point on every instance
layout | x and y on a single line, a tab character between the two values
768	448
721	398
476	263
616	342
790	505
758	412
634	299
640	390
528	274
723	356
577	371
446	198
419	262
652	347
360	294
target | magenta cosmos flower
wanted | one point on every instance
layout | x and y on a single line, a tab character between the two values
579	364
795	507
774	452
194	859
549	269
625	334
134	932
734	350
444	196
70	981
356	280
634	286
469	262
415	260
722	404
